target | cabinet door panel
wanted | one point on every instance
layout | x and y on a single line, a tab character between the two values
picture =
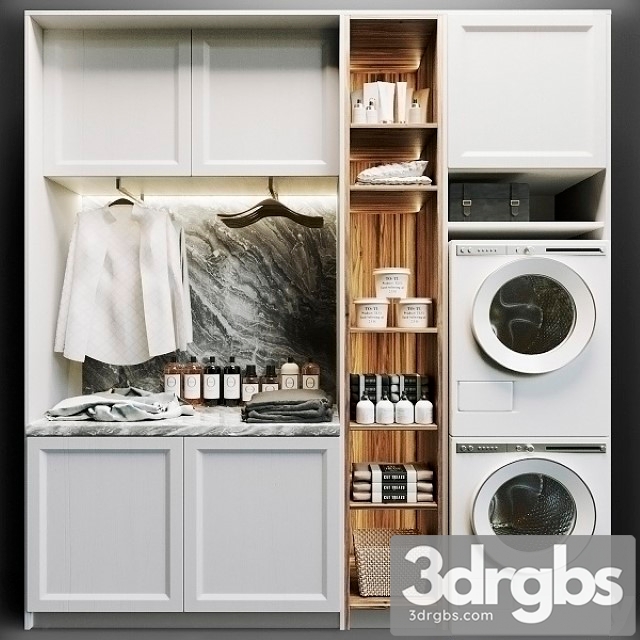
118	103
528	89
264	103
104	524
261	525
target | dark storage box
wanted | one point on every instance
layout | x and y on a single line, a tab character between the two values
488	202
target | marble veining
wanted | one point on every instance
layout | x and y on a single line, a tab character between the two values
207	421
261	293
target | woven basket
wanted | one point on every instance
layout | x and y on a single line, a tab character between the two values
373	559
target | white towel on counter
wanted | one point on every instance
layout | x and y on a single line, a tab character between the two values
125	296
120	405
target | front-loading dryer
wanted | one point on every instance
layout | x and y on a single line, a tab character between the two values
529	338
535	486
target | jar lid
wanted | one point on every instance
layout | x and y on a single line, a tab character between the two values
371	301
383	270
415	301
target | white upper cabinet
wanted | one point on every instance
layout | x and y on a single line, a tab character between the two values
528	89
117	102
265	102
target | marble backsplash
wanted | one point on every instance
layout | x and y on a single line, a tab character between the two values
260	293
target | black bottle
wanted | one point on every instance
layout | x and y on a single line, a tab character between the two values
231	383
250	383
212	383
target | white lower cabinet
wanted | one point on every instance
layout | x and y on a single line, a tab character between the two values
262	524
105	524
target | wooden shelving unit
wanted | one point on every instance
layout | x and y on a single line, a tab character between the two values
395	225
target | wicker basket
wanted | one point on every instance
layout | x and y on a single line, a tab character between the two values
373	558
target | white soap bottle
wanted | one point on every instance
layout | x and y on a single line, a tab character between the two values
358	115
415	114
365	411
404	410
371	112
424	410
289	375
384	411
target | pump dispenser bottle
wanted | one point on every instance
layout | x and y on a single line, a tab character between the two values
211	383
173	376
424	410
231	383
310	375
192	382
289	375
384	411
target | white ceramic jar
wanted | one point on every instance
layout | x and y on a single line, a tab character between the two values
414	313
371	313
391	282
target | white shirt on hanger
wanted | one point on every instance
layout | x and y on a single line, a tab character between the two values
125	296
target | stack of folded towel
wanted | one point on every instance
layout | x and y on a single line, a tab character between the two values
389	483
288	405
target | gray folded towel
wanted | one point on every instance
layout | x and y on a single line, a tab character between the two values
288	405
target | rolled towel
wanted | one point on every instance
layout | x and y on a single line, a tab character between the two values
422	487
365	496
362	471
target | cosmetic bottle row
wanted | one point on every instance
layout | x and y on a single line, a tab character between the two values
209	384
401	412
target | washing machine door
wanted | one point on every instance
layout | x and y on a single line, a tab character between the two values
534	496
533	315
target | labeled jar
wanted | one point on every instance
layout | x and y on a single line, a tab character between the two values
391	282
371	313
414	313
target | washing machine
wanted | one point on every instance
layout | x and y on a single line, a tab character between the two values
529	338
535	486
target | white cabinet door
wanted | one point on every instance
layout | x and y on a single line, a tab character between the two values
265	102
528	89
262	528
104	524
117	103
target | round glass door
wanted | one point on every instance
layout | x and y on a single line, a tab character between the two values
533	315
534	497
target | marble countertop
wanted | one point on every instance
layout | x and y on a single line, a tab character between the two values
209	421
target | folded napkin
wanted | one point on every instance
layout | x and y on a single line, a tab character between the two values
129	404
288	405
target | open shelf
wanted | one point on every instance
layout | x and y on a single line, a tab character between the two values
498	230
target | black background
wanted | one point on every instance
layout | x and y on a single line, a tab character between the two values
625	382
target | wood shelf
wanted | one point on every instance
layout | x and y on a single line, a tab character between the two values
404	505
354	426
396	126
393	330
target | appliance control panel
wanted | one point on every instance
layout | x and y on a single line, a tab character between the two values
524	447
499	250
490	249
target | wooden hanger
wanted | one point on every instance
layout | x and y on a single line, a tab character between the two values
269	207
